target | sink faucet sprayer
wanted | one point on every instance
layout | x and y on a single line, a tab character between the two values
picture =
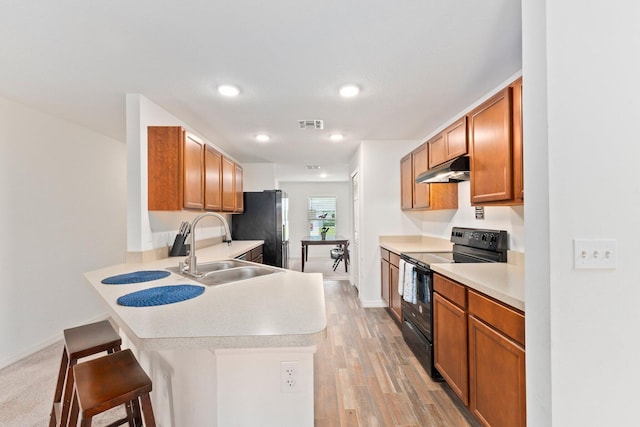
191	260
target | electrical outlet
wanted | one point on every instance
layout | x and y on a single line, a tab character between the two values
289	382
598	254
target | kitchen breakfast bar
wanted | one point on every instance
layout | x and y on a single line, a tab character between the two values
216	359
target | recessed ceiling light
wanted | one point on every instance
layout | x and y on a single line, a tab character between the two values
323	175
228	90
348	91
336	137
262	137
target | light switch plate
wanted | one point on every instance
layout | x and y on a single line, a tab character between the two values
594	254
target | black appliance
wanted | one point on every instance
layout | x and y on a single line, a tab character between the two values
470	245
265	218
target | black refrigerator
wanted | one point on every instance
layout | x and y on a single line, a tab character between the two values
265	218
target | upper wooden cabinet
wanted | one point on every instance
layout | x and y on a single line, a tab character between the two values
448	144
186	173
518	158
238	189
423	196
406	182
232	186
228	190
175	169
213	179
495	141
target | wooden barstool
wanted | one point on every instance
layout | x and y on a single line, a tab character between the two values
79	342
110	381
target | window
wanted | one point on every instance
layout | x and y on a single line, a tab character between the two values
322	213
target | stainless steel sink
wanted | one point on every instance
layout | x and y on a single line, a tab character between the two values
226	271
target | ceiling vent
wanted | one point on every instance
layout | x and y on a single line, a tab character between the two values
311	124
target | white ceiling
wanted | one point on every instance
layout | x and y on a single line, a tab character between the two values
418	63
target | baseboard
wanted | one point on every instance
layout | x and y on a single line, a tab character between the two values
44	343
375	303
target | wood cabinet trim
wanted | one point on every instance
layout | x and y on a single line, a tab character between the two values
518	154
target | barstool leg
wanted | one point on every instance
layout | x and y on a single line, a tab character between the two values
73	415
57	397
147	411
68	391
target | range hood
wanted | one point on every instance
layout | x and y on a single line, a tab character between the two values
455	170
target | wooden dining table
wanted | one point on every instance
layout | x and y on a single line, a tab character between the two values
328	240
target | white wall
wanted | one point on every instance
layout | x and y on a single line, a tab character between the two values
63	210
259	176
378	163
299	193
508	218
581	154
148	230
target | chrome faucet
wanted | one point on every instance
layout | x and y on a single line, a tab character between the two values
191	262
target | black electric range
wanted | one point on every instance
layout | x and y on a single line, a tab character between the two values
470	245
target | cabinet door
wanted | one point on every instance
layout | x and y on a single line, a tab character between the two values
228	180
456	138
420	164
164	164
450	345
437	151
491	150
384	280
396	306
518	169
193	170
406	182
448	144
212	176
497	377
238	189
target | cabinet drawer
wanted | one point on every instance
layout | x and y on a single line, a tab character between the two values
451	290
501	317
384	254
394	259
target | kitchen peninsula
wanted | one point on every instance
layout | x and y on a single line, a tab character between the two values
216	359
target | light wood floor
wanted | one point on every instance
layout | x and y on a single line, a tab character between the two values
365	375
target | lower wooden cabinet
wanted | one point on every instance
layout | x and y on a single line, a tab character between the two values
479	350
395	303
450	350
497	377
384	275
254	255
389	273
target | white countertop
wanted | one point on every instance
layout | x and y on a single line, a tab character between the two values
502	281
399	244
282	309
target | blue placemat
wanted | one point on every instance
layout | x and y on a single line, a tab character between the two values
160	295
136	277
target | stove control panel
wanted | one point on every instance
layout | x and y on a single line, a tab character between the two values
477	238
